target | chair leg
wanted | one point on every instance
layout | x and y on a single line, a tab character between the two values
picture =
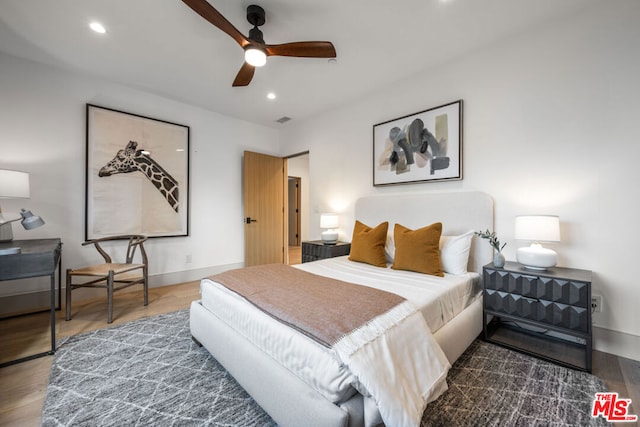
110	297
146	285
68	296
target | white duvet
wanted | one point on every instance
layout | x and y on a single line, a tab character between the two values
394	360
440	299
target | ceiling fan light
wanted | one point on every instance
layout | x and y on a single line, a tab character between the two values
97	27
255	56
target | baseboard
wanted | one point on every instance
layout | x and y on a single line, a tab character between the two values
12	305
614	342
189	275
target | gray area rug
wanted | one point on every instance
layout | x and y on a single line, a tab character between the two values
493	386
149	372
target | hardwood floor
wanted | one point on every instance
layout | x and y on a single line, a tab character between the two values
23	386
621	375
295	255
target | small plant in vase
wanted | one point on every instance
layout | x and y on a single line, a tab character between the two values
492	237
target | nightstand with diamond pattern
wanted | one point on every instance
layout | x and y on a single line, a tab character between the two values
543	313
316	249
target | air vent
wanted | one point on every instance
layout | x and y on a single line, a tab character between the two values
283	119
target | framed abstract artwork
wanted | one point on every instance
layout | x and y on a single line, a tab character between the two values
421	147
137	175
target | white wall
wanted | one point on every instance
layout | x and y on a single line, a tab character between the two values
549	127
42	122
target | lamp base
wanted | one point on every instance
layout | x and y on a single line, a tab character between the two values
535	257
6	232
330	237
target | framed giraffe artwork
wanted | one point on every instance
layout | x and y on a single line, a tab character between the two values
137	175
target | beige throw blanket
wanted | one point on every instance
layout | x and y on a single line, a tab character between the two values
322	308
383	340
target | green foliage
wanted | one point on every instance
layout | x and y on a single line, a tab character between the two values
492	237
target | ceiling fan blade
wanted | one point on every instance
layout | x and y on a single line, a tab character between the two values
244	75
208	12
302	49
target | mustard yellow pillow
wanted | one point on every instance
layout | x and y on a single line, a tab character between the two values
367	244
418	250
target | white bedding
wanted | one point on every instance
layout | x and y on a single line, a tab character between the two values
317	365
398	363
439	300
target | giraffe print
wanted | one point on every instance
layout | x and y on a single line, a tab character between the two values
131	160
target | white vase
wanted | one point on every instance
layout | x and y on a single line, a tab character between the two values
498	260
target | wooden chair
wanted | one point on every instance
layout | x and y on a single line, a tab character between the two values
110	275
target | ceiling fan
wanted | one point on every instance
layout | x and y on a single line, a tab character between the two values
256	51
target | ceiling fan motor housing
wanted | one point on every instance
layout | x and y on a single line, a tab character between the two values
255	15
256	35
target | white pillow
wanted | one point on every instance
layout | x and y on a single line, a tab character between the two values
454	252
390	247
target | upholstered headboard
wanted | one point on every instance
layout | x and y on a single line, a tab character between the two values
458	212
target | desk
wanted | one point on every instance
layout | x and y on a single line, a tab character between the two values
38	257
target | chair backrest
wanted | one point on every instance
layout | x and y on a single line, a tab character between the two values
135	241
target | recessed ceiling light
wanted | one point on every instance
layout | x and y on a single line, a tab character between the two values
97	27
271	95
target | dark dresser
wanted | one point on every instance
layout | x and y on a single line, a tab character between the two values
543	313
315	250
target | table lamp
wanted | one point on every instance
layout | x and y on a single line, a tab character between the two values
15	185
537	228
330	221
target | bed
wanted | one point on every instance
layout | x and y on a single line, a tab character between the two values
299	382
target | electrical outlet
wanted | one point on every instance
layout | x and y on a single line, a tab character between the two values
189	259
596	303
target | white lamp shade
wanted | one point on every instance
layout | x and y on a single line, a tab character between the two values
537	228
256	57
14	184
329	220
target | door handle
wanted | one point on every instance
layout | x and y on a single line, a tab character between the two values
249	220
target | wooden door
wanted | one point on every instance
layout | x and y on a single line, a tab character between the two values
294	210
264	209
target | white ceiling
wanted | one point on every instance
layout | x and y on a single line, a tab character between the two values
163	47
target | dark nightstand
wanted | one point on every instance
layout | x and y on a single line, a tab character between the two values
543	313
315	250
